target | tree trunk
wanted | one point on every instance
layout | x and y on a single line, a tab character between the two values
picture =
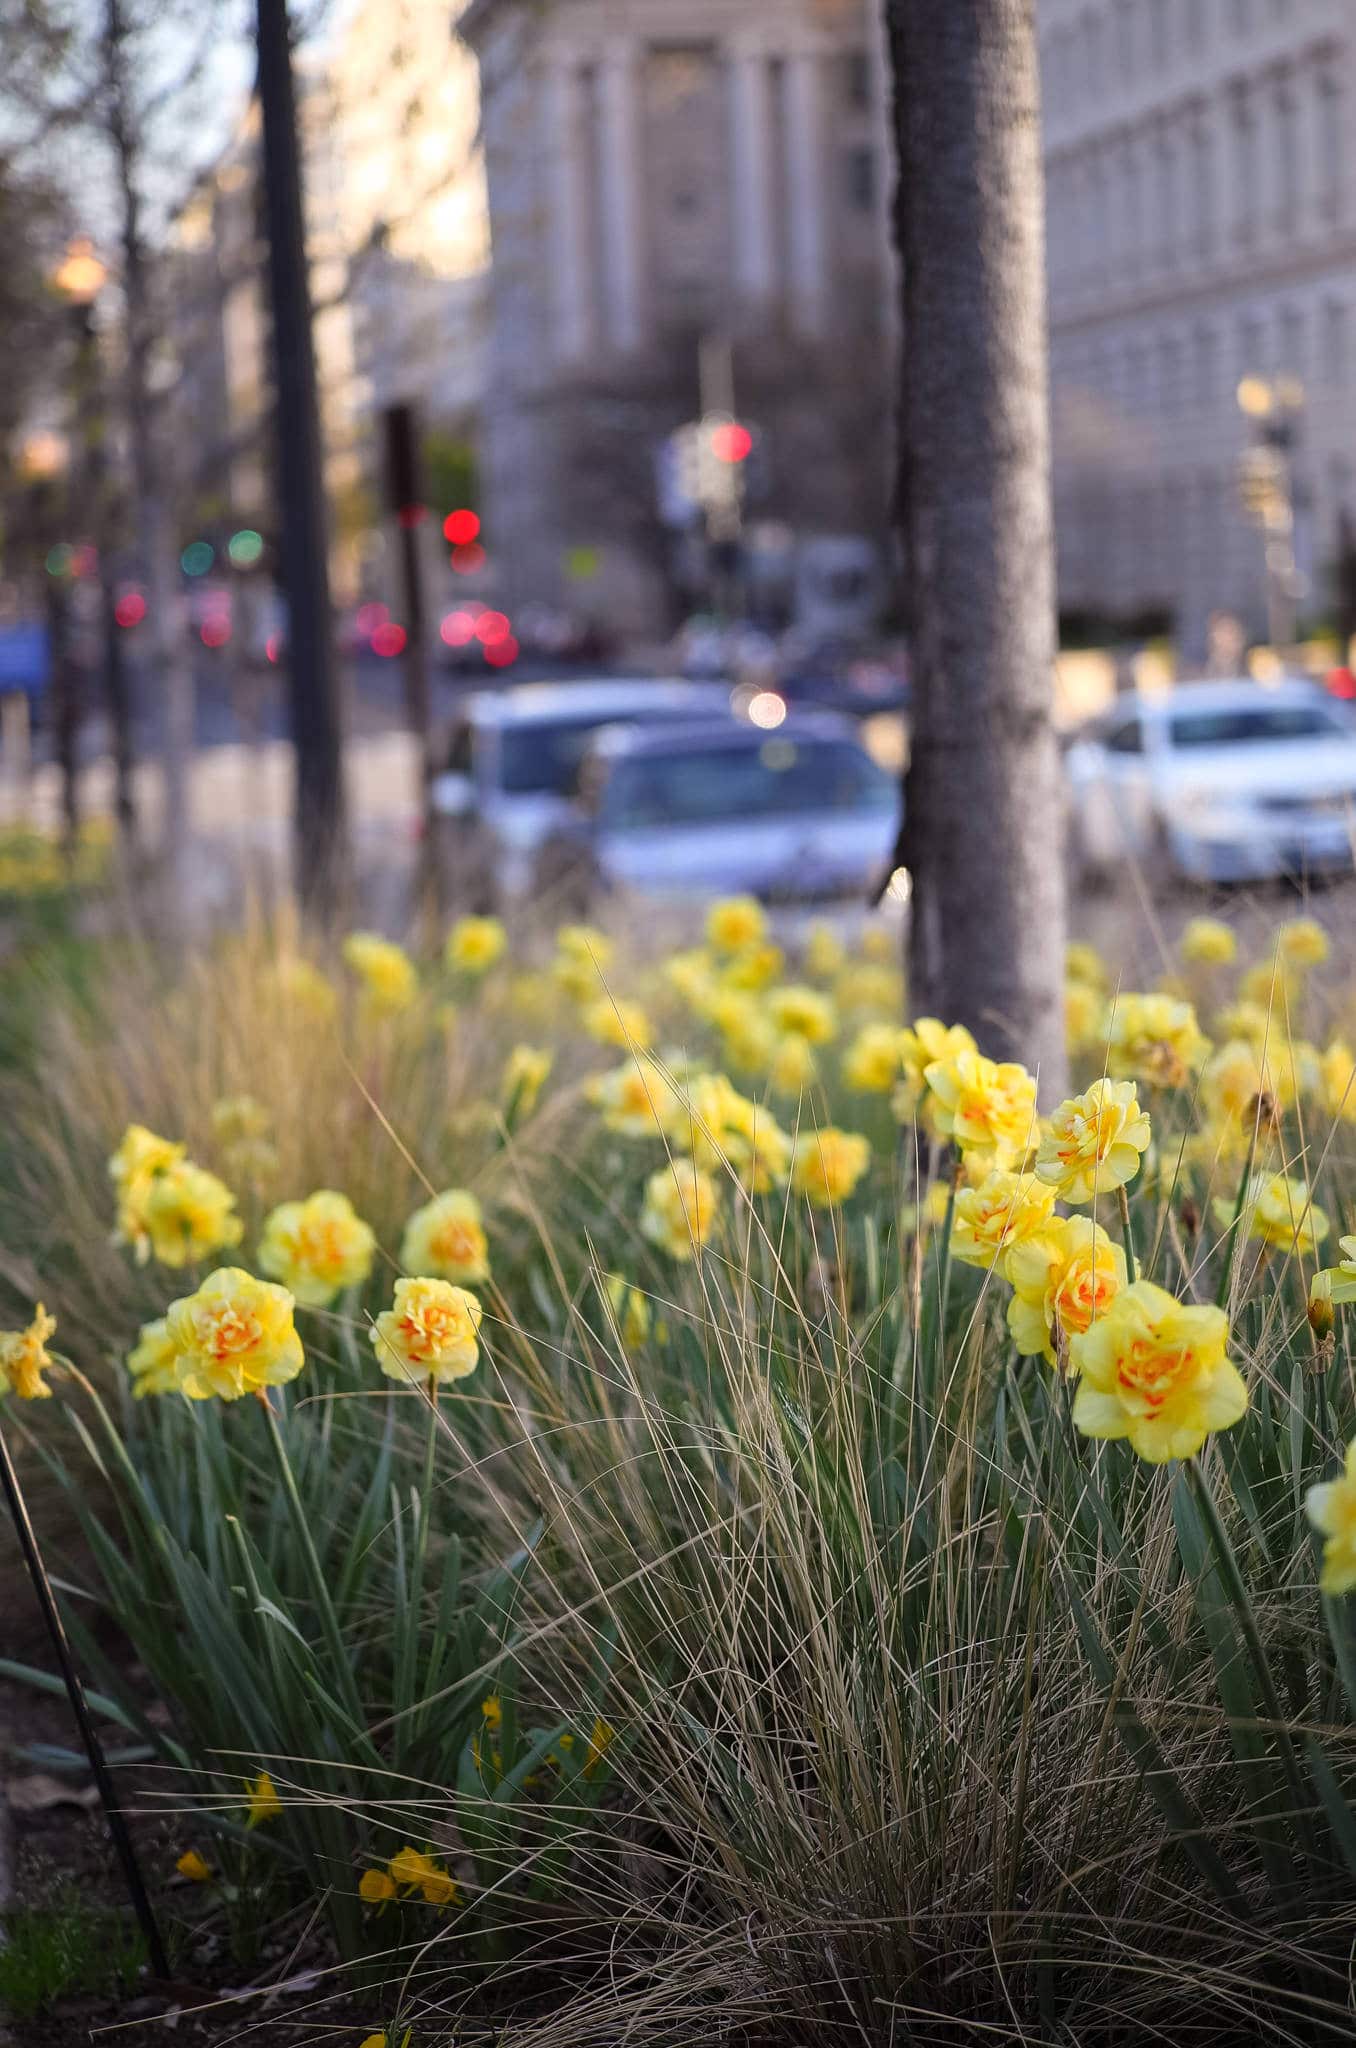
983	831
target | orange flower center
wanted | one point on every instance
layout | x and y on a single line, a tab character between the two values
1152	1372
232	1332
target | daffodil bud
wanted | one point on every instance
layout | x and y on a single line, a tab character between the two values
1321	1316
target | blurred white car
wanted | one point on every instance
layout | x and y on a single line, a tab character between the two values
1215	782
512	764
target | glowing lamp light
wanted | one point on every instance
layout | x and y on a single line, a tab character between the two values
389	640
457	629
80	275
130	608
215	630
461	528
197	558
245	548
468	559
766	709
502	653
368	617
491	628
731	442
60	559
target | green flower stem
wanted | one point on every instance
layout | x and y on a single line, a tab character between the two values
1128	1233
1227	1276
329	1620
426	1495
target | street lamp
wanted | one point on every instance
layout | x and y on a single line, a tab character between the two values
1273	406
80	276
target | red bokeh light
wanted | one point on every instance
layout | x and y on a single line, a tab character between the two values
215	630
273	646
502	653
467	560
730	442
368	617
389	639
130	608
461	528
491	628
458	629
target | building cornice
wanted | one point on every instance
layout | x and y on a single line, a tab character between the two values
1261	273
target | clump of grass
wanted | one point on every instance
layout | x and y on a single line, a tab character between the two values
66	1949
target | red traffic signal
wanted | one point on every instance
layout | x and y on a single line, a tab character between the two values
731	442
461	527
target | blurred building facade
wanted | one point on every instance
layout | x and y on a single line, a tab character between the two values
664	173
1201	187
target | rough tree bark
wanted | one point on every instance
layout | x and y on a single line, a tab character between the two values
983	833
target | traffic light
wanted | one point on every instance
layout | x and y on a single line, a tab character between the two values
731	442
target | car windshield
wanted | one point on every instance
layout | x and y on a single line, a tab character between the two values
542	758
1253	725
695	785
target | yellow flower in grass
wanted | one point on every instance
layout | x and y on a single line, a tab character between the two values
872	1061
601	1738
1279	1211
637	1100
1331	1507
1002	1211
1341	1278
793	1067
187	1214
692	977
525	1074
630	1308
262	1801
1084	963
302	987
1337	1074
1094	1142
413	1871
474	944
925	1043
386	971
1238	1085
1249	1021
194	1867
1274	986
735	923
317	1247
24	1358
1303	943
1206	942
1155	1039
611	1020
756	968
583	954
241	1127
825	953
446	1237
234	1336
153	1361
140	1159
1063	1278
376	1888
865	988
681	1207
430	1333
1084	1016
795	1007
826	1165
492	1712
985	1107
723	1128
1156	1371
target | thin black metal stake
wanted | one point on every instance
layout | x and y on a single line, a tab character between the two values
117	1825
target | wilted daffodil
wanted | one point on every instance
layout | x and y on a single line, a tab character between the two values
1094	1142
1155	1039
1000	1212
1206	942
446	1237
24	1358
1156	1371
734	923
234	1336
386	971
525	1073
1063	1278
431	1332
474	944
827	1164
1331	1507
317	1247
985	1107
680	1210
1279	1211
153	1361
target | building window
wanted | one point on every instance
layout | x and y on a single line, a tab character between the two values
1335	343
1167	197
1331	146
1287	158
860	163
1203	179
1206	351
1245	166
1252	360
1293	343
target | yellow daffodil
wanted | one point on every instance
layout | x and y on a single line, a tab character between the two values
24	1358
1063	1278
601	1738
825	952
140	1158
187	1214
925	1043
1084	963
1156	1371
864	989
1002	1211
636	1099
446	1237
375	2040
1341	1278
1337	1075
681	1207
871	1063
985	1107
241	1127
262	1801
827	1164
1303	943
630	1308
806	1011
1155	1039
1275	986
1084	1016
583	954
386	971
1279	1211
375	1888
735	923
722	1128
430	1333
1094	1142
153	1361
474	944
757	967
1331	1507
1249	1021
234	1336
525	1073
692	977
194	1867
793	1067
1206	942
613	1021
414	1871
317	1247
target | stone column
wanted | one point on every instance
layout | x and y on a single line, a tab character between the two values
807	176
571	241
623	194
751	173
